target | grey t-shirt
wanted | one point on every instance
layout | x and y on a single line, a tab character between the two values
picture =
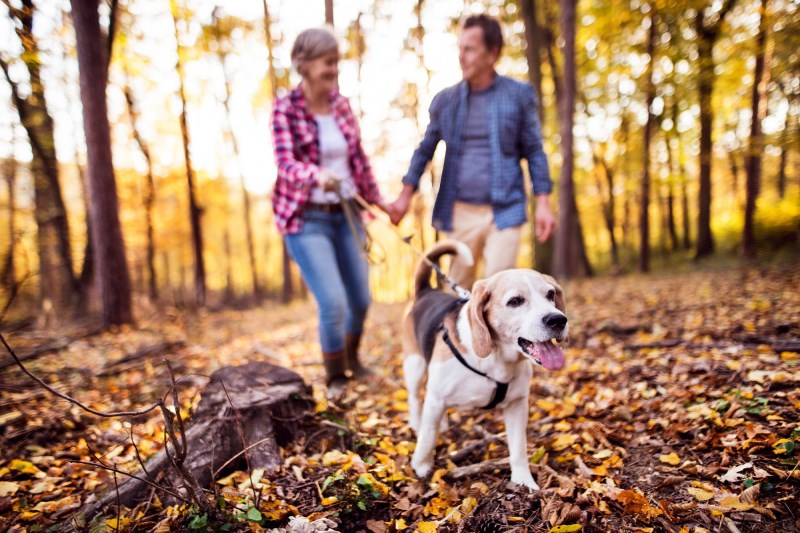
473	169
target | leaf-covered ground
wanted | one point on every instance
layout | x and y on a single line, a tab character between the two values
677	411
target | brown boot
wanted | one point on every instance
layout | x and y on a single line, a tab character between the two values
351	343
336	381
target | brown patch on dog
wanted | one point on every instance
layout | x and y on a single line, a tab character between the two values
476	313
561	303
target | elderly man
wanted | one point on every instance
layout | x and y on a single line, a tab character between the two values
488	123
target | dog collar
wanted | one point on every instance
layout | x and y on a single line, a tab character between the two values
500	389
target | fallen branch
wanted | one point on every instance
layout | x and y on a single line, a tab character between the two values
467	450
479	468
147	351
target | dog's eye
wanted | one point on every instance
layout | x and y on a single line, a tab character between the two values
516	301
551	295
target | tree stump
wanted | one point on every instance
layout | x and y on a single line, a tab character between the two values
254	407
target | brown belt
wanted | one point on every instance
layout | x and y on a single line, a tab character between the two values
326	208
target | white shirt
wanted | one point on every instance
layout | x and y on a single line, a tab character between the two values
333	157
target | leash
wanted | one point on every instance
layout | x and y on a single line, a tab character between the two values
460	291
500	388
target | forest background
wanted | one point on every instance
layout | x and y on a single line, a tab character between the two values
665	163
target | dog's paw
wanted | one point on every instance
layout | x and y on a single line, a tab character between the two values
421	467
524	478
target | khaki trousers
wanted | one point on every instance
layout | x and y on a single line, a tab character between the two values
473	225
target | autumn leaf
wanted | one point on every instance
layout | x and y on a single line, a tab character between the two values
700	494
427	527
8	488
670	459
564	441
733	475
566	528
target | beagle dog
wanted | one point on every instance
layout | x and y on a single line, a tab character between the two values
477	353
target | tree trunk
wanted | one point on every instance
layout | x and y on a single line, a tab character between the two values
245	413
109	255
706	37
195	211
570	253
542	258
644	200
329	12
781	181
246	214
673	172
230	293
682	182
533	50
9	274
58	285
756	143
149	194
608	206
287	290
545	252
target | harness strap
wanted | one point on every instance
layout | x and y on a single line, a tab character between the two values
500	389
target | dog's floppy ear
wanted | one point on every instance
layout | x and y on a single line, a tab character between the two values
561	303
481	336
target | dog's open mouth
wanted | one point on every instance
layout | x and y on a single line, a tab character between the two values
545	354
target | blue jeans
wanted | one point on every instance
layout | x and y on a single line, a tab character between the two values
335	270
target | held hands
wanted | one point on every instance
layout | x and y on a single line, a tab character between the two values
398	209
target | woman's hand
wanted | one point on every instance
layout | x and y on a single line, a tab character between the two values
328	180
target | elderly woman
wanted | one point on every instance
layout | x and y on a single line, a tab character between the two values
321	164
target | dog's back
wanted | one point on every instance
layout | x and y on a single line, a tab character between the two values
431	305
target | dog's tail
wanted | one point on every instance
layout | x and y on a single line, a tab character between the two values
422	278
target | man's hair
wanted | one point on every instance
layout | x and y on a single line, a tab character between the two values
492	34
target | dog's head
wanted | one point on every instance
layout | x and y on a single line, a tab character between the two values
519	311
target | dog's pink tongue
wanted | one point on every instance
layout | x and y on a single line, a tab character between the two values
551	356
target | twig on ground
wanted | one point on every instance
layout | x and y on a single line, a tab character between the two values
70	398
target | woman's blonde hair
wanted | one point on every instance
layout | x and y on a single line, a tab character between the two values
311	44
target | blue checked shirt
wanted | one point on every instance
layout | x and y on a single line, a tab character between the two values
514	133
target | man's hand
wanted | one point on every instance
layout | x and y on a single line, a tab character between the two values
544	220
398	209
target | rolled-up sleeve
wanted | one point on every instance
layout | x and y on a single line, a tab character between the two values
424	152
531	145
299	174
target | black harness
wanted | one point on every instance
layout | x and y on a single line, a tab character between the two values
500	389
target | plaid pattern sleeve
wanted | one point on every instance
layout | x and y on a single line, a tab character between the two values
296	154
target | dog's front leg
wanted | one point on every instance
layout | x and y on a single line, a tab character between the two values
422	460
516	417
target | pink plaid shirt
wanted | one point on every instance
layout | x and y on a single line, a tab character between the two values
296	139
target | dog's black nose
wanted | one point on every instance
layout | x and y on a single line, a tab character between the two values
555	321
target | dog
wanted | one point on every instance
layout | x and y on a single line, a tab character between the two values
478	353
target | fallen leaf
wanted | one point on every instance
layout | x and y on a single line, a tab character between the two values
564	441
670	459
8	488
566	528
699	494
733	475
